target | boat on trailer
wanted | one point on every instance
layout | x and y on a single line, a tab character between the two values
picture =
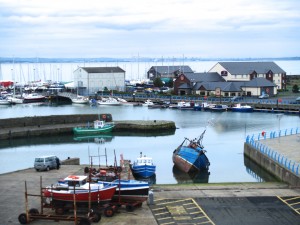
129	190
83	190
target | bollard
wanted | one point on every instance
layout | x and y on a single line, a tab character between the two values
151	198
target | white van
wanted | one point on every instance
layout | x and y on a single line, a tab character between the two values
46	163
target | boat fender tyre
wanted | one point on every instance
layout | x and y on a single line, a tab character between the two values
109	212
129	208
33	211
84	221
95	217
22	218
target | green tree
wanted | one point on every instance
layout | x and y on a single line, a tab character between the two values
157	82
295	88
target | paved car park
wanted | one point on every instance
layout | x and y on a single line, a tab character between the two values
213	204
269	210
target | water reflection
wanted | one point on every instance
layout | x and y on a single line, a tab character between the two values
195	177
151	180
101	139
256	171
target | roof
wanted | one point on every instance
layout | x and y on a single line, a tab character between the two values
184	86
103	69
172	69
250	67
225	86
258	82
204	77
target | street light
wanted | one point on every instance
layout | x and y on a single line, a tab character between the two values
279	116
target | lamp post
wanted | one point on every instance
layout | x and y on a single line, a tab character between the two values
279	116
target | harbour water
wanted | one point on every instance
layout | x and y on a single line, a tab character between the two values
224	139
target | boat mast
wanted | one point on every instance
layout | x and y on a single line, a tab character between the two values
200	139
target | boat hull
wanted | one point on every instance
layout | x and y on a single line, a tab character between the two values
130	190
103	195
144	171
30	100
242	109
188	160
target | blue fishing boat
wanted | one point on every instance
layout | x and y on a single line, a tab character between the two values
129	190
190	155
143	167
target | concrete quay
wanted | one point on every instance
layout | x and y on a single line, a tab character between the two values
211	199
64	124
280	156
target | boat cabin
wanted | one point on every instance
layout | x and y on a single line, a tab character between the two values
99	124
144	161
76	181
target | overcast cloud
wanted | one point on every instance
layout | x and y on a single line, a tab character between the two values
149	28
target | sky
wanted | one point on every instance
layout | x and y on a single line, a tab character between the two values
149	28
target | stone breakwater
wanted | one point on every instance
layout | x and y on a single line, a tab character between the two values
63	124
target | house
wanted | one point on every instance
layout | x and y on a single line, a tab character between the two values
246	71
206	84
93	79
166	73
187	82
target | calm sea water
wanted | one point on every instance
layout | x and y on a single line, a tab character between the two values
223	140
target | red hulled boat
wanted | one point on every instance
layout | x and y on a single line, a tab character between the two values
84	191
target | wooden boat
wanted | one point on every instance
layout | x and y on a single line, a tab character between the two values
242	108
190	155
143	167
129	190
84	191
100	126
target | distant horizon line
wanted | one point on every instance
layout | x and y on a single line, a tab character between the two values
133	59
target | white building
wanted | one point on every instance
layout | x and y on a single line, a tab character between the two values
93	79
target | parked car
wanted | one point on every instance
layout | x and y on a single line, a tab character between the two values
264	96
46	163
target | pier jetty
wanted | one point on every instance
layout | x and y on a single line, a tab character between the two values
277	153
63	124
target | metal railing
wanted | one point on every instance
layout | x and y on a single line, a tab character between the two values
282	160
